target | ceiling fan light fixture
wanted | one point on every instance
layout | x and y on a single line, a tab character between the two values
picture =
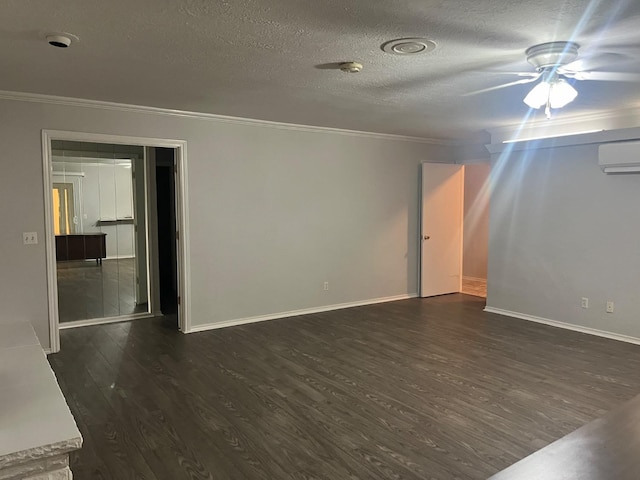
551	93
552	54
561	94
538	95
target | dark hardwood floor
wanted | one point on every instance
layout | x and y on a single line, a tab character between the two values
606	448
416	389
88	290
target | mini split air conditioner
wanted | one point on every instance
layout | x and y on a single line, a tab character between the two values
623	157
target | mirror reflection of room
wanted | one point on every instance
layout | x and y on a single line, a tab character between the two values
101	255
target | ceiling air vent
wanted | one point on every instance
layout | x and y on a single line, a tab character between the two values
409	46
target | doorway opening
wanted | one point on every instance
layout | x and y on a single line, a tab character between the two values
166	230
454	229
475	226
109	228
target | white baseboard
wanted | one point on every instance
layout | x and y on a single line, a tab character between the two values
104	320
474	279
294	313
566	326
119	257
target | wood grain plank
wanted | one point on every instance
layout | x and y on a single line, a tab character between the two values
423	388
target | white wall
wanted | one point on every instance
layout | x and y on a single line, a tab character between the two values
274	212
560	230
476	220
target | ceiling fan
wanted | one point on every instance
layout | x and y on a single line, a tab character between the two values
555	63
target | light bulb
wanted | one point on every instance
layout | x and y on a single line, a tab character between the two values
561	94
539	95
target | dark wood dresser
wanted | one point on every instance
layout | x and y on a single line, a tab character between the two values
81	247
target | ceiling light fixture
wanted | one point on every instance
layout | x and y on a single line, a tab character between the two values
552	54
551	92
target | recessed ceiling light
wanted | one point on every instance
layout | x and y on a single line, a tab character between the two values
409	46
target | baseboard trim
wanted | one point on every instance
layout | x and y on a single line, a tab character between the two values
566	326
474	279
104	320
295	313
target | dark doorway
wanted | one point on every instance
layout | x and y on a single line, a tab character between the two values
167	255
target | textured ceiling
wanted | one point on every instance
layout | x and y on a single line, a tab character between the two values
273	59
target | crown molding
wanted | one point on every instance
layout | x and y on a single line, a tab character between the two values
123	107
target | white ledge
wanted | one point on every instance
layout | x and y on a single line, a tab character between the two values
38	430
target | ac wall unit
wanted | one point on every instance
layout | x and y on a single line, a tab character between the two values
623	157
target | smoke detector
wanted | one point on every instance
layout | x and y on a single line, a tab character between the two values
409	46
351	67
61	40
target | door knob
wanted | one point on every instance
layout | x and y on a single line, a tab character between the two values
426	237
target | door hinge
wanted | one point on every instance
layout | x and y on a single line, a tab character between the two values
177	235
178	299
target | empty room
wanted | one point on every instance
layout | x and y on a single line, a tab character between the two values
320	240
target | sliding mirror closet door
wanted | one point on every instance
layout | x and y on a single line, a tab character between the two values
99	217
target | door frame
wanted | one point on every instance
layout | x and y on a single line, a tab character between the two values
182	220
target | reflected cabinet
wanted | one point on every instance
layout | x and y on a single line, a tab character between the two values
81	247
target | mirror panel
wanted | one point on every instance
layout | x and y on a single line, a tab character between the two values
101	258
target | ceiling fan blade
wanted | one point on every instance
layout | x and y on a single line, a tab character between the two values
504	85
519	74
604	76
595	62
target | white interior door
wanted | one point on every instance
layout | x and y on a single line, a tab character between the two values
441	239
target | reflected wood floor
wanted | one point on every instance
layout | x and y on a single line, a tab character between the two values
89	290
417	389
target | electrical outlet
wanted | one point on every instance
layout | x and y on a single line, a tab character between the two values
30	238
609	307
326	286
585	302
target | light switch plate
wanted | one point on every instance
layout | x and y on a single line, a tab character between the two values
30	238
